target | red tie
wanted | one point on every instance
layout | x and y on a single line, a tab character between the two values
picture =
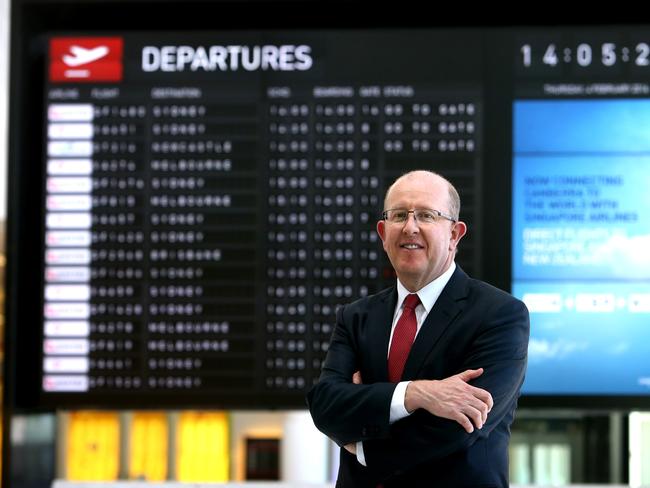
403	337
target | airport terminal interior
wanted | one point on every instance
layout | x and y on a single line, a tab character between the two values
185	203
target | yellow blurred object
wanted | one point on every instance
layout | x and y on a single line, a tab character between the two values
148	446
93	450
202	447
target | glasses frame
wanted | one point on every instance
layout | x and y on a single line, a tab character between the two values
384	215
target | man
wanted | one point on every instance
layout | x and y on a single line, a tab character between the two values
435	410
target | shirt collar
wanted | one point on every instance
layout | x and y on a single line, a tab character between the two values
430	292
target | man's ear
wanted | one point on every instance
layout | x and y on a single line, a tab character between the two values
381	230
458	230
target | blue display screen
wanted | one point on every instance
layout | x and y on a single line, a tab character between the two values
581	243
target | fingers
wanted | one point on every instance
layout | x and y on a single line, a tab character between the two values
475	410
351	448
452	398
356	378
464	422
455	399
479	393
478	412
484	396
470	374
471	418
475	416
481	401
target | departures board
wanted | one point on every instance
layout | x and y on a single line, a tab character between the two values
211	199
204	200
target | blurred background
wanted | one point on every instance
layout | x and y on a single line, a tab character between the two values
189	189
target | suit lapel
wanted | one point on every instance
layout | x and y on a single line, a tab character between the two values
379	320
445	310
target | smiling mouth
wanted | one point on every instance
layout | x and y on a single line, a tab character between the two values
411	246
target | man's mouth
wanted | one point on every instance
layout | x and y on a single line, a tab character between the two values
411	246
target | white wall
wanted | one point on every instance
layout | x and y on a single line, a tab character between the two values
639	449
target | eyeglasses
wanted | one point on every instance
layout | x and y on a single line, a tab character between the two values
422	215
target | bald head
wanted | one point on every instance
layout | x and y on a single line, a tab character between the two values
437	181
421	251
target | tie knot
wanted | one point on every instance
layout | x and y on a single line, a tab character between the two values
411	301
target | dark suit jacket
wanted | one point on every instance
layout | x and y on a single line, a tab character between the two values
472	325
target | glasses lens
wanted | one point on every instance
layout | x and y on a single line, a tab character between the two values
399	215
425	216
422	215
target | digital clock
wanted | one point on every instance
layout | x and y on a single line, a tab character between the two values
606	54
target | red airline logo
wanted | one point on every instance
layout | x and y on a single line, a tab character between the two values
86	59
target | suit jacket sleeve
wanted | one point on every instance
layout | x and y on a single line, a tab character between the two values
343	411
500	347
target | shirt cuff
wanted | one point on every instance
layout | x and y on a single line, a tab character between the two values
361	457
397	409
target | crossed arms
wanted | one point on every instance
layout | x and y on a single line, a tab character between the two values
449	414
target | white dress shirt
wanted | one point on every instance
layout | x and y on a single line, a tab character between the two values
428	296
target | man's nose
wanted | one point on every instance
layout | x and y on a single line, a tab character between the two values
411	224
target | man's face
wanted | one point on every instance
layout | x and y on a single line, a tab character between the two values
420	252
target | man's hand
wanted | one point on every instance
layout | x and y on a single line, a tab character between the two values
356	378
351	448
452	398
